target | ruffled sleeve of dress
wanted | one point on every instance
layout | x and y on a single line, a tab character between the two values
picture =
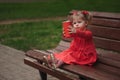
83	34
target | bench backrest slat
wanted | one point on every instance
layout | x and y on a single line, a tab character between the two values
107	44
106	15
106	22
106	29
105	32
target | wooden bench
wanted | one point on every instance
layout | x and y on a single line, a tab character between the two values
106	31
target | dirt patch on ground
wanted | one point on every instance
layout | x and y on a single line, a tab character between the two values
29	20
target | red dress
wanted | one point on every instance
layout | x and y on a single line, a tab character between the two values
81	51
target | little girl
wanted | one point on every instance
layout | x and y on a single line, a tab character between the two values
82	50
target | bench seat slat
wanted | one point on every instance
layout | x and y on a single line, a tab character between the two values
64	43
35	54
60	48
109	62
56	73
107	68
109	54
52	50
90	72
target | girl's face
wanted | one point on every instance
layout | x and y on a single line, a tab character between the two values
79	23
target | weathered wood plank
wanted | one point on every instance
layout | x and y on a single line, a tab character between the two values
105	32
106	22
36	54
90	72
109	54
64	43
107	44
106	15
110	62
107	68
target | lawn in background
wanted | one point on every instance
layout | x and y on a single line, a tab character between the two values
31	35
52	8
43	34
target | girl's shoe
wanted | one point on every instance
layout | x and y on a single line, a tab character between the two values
46	62
52	58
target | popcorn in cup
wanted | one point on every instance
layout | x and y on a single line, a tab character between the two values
65	26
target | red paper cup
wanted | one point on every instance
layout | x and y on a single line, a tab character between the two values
65	26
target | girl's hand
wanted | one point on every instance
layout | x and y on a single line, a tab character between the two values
63	32
72	29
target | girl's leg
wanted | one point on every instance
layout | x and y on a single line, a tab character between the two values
59	63
52	62
55	62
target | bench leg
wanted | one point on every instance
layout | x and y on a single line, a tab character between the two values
82	78
43	75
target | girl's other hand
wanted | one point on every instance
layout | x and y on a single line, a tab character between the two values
63	32
72	29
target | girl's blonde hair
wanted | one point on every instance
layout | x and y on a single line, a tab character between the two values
85	15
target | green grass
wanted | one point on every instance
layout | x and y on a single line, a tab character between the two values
44	34
52	8
25	36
